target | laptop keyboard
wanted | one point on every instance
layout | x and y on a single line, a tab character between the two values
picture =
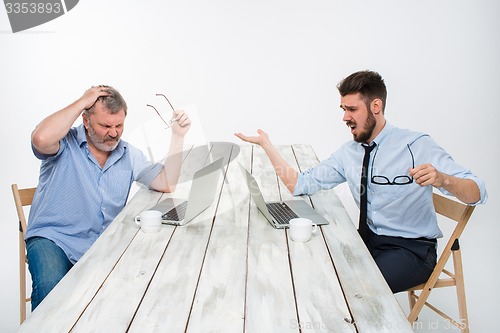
177	213
281	212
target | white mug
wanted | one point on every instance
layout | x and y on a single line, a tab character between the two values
301	229
149	220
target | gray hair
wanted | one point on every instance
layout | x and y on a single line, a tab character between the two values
114	102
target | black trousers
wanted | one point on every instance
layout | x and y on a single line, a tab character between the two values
404	262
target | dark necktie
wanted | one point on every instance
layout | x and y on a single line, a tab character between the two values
363	192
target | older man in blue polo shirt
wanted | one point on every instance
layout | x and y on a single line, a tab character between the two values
85	177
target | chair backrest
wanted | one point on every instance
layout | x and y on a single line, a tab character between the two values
457	212
452	209
22	198
461	214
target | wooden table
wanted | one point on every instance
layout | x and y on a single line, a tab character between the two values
226	271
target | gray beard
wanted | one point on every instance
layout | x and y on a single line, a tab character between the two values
98	143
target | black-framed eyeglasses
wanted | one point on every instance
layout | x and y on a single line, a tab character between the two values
398	180
169	124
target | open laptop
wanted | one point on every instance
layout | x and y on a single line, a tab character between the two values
280	213
203	188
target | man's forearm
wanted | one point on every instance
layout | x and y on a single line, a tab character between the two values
465	190
285	171
167	179
51	130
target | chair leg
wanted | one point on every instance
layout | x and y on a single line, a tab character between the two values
22	281
411	300
460	285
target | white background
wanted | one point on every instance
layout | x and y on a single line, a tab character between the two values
270	64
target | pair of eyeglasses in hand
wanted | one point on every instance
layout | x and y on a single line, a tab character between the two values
171	121
398	180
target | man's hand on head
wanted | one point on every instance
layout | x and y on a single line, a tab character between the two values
92	94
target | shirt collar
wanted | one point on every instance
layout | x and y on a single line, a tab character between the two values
383	134
80	134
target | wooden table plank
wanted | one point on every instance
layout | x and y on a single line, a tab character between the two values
219	304
226	271
270	302
137	265
320	299
168	300
95	266
372	304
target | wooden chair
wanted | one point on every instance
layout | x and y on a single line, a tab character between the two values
22	198
441	277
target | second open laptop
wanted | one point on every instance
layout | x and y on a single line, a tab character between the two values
280	213
202	194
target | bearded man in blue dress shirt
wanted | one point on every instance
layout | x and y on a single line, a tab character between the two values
85	177
403	168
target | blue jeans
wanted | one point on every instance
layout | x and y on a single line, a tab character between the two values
47	264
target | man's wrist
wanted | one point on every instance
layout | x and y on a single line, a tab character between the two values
80	105
266	145
447	181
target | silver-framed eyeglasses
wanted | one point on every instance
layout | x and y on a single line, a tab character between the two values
169	123
398	180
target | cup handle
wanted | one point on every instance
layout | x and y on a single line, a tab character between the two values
314	228
137	220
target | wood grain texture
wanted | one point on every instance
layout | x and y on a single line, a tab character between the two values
320	300
219	304
228	270
167	302
373	306
270	298
95	266
77	289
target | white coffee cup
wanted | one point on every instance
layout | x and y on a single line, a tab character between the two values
301	229
149	220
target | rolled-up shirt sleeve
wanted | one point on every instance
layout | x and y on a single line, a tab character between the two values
146	176
326	175
144	171
434	154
